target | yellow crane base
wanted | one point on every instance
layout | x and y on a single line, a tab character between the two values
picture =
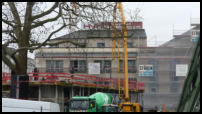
129	107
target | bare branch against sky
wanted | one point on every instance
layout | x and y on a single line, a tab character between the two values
30	26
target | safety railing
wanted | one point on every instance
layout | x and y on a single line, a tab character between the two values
68	78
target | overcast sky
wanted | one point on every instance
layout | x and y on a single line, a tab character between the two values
160	18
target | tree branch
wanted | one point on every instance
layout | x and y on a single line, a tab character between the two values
60	42
8	22
45	13
15	13
7	43
47	20
91	6
40	45
6	60
28	18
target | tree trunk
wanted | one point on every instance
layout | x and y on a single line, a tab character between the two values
20	79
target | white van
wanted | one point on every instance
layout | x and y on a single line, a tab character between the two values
16	105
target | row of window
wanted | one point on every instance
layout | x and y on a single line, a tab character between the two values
80	66
99	45
102	45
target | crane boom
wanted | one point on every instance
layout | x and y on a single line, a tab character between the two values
124	29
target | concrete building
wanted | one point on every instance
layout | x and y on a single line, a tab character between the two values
98	49
162	87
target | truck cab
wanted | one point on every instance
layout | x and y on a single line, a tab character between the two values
82	104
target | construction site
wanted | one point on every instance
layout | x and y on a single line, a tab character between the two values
114	60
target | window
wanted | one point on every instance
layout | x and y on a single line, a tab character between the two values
83	44
79	104
195	33
153	87
80	66
174	87
131	66
138	27
153	90
173	70
129	44
55	66
121	66
100	45
105	65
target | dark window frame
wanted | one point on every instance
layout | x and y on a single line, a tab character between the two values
80	66
132	68
101	45
55	66
130	44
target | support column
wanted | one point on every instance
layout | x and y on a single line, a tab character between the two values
79	91
72	92
63	99
56	94
39	98
83	91
88	91
17	87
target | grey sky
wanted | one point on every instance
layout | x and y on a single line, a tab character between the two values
161	17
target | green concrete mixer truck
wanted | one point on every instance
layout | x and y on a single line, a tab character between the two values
97	102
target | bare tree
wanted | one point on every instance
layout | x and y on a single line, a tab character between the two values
30	26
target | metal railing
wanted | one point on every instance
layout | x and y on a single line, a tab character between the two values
68	78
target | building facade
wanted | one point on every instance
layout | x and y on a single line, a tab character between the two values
162	83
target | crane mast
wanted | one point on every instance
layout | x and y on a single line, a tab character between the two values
124	29
125	106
